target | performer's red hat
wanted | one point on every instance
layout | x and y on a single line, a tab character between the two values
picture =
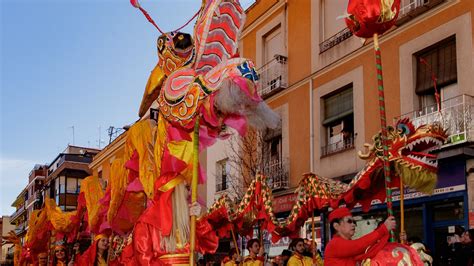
339	213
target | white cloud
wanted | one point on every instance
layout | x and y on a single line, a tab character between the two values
13	178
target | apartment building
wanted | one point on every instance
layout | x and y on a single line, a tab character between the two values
6	254
60	180
322	81
20	217
65	173
35	187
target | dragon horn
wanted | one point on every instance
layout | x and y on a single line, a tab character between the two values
365	156
137	5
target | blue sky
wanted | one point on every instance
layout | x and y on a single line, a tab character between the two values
81	63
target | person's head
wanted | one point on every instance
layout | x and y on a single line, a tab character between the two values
297	245
467	237
60	252
286	254
342	223
42	259
253	246
102	242
233	254
459	230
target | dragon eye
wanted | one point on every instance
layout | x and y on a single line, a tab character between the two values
161	44
405	130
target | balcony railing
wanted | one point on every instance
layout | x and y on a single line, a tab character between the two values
21	228
19	211
414	8
344	144
277	174
273	77
75	158
456	116
334	40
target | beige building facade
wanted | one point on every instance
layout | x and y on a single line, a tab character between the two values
322	79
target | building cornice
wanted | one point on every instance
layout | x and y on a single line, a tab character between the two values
261	19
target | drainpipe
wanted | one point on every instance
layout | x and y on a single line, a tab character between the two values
311	127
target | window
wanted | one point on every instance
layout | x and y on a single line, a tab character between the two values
273	44
272	147
338	120
222	178
437	62
71	185
62	184
331	9
275	168
271	56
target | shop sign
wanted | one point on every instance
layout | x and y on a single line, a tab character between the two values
284	203
451	178
471	219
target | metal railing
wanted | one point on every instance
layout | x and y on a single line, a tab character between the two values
21	228
415	8
344	144
456	116
277	173
407	11
19	211
334	40
273	76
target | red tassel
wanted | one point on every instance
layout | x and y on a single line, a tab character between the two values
135	3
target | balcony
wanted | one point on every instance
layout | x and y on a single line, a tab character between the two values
340	144
277	173
21	228
273	77
19	211
77	158
334	40
413	8
69	161
456	116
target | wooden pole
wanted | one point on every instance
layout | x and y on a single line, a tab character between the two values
383	123
109	251
402	209
194	184
313	235
235	243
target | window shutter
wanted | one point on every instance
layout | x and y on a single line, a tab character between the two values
338	106
440	60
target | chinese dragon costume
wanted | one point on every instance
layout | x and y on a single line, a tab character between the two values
201	82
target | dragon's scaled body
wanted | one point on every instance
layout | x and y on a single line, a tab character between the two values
410	159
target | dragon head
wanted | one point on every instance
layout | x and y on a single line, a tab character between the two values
409	152
175	50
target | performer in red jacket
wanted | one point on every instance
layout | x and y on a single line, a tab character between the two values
342	250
